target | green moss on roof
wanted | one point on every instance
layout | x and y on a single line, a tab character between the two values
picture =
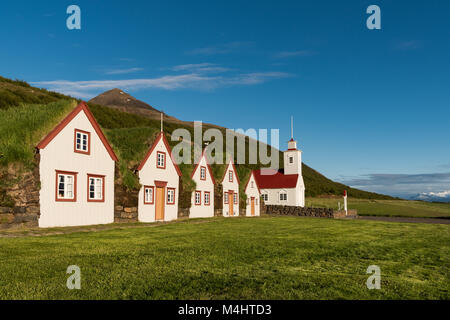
22	127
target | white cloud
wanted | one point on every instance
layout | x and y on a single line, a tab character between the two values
123	71
408	45
87	89
221	48
200	68
288	54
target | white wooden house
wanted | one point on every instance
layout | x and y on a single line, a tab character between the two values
76	172
253	197
159	176
230	184
202	202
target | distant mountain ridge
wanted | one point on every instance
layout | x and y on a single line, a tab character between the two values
443	196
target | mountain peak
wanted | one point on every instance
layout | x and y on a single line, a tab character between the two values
118	99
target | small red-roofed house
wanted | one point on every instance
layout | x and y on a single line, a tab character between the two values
76	173
230	184
202	203
159	176
253	194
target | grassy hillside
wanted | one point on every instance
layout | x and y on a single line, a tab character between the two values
398	208
32	112
16	92
22	127
261	258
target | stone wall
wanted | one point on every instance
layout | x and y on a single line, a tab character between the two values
183	212
341	214
125	202
306	211
299	211
125	214
22	188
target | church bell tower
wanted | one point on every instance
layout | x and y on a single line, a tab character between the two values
292	156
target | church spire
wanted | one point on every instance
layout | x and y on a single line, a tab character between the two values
292	128
292	144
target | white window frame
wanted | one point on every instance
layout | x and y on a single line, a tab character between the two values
98	188
207	199
67	187
170	196
202	173
149	190
230	175
82	141
161	160
198	198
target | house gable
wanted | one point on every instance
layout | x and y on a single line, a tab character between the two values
252	178
230	166
208	167
82	107
160	137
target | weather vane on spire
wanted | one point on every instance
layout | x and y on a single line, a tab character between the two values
162	121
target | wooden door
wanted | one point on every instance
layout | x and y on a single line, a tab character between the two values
230	203
159	205
253	206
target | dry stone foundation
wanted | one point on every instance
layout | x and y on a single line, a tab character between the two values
306	211
22	188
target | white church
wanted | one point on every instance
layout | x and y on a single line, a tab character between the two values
283	187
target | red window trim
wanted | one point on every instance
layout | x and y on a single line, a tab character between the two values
235	199
195	197
165	159
167	198
202	168
103	187
88	152
225	198
232	174
153	194
74	174
209	197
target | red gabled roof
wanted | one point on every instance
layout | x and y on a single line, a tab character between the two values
207	164
235	172
81	107
249	178
166	143
272	179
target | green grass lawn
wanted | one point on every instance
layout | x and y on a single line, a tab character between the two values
241	258
399	208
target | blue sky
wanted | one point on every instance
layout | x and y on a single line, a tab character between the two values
371	107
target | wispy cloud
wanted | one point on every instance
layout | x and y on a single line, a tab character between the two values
88	89
445	166
400	184
200	68
221	48
123	71
408	45
298	53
